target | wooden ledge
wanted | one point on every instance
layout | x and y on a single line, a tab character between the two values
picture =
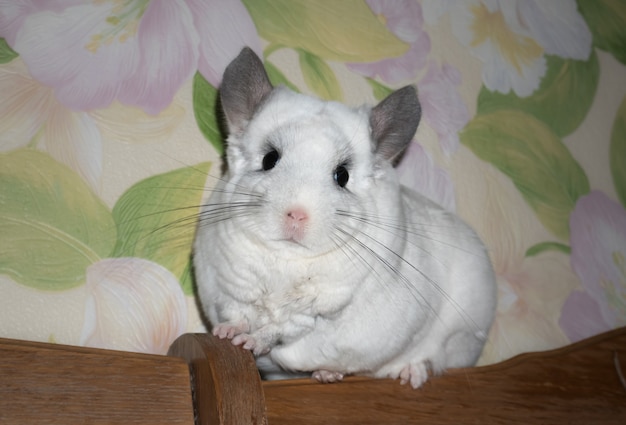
208	380
579	383
60	384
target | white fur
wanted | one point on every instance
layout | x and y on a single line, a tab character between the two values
325	304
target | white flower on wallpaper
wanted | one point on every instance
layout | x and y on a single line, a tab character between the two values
512	37
531	289
133	305
531	292
137	52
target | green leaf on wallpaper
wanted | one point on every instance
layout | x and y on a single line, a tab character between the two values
6	53
319	77
547	247
186	280
277	77
156	218
205	98
323	29
52	225
607	21
562	100
617	152
538	163
380	91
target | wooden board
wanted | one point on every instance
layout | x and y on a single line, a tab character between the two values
579	384
49	384
58	384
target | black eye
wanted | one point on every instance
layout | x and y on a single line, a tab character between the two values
270	159
341	175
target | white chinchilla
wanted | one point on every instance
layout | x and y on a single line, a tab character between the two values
312	255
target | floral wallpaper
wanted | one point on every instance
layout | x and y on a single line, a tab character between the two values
109	129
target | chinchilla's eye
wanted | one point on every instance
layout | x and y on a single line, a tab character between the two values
341	175
270	159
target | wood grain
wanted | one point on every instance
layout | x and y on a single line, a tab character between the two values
578	384
227	385
57	384
53	384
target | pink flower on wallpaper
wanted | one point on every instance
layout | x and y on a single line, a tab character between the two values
404	19
30	114
598	241
138	52
419	172
443	108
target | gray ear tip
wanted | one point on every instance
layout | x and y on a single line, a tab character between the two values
247	52
410	89
410	95
246	58
407	91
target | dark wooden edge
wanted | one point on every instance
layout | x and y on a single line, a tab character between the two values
228	389
225	381
36	345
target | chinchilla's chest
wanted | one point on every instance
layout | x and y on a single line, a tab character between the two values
277	284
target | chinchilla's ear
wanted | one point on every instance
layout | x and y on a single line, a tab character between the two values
244	86
393	122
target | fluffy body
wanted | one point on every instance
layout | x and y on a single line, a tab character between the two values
368	279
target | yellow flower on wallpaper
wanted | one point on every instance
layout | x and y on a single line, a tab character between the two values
512	38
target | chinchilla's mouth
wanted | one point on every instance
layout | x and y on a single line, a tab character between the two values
289	242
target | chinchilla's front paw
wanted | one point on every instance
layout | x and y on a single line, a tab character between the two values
229	330
247	341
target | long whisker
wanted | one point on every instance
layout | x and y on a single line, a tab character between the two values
353	254
421	299
434	285
388	265
396	224
200	214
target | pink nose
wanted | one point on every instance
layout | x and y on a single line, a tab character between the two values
295	224
296	215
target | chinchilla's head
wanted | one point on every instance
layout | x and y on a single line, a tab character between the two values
309	172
